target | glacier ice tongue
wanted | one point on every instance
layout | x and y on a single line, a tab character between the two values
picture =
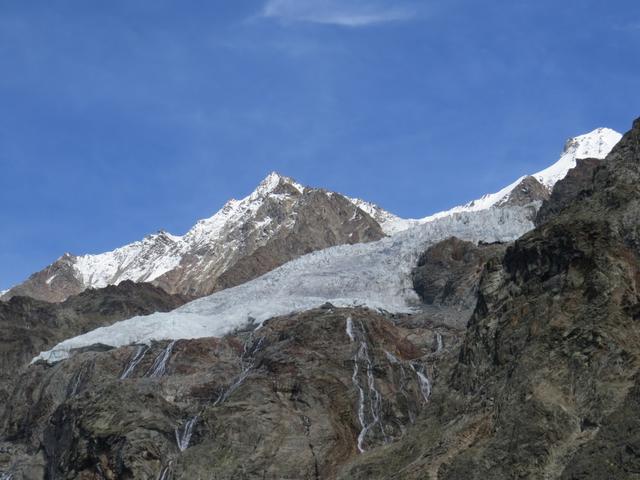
376	275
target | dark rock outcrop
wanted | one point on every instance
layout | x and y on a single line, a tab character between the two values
447	277
29	326
569	190
528	191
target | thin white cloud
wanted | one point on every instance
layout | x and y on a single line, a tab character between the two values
346	13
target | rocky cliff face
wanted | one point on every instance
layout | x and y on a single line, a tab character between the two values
27	325
278	222
301	397
447	277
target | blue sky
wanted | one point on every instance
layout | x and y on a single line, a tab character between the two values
124	117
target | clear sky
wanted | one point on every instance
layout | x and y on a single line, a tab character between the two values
122	117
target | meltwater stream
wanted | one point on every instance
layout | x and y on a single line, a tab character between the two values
247	363
159	366
183	434
135	360
369	417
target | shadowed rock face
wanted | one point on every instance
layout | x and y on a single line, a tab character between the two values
29	326
569	189
448	274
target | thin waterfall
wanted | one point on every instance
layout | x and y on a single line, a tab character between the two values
183	435
361	417
76	381
135	360
371	416
247	362
393	360
165	473
349	329
439	343
424	382
159	366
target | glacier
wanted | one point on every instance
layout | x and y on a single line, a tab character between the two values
376	275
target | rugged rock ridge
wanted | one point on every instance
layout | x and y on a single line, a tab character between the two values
447	277
28	325
278	222
555	339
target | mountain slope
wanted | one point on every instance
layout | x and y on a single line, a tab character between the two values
278	222
542	384
28	325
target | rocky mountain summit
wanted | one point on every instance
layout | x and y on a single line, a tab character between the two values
278	222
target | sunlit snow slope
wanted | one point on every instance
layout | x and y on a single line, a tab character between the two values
595	144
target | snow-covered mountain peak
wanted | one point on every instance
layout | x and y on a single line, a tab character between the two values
276	187
595	144
277	222
273	181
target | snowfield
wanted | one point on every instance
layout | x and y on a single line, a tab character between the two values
376	275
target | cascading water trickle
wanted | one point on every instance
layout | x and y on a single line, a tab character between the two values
439	342
424	382
183	435
135	360
247	362
76	381
349	329
165	473
371	416
159	366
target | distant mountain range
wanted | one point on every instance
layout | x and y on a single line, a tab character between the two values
278	222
